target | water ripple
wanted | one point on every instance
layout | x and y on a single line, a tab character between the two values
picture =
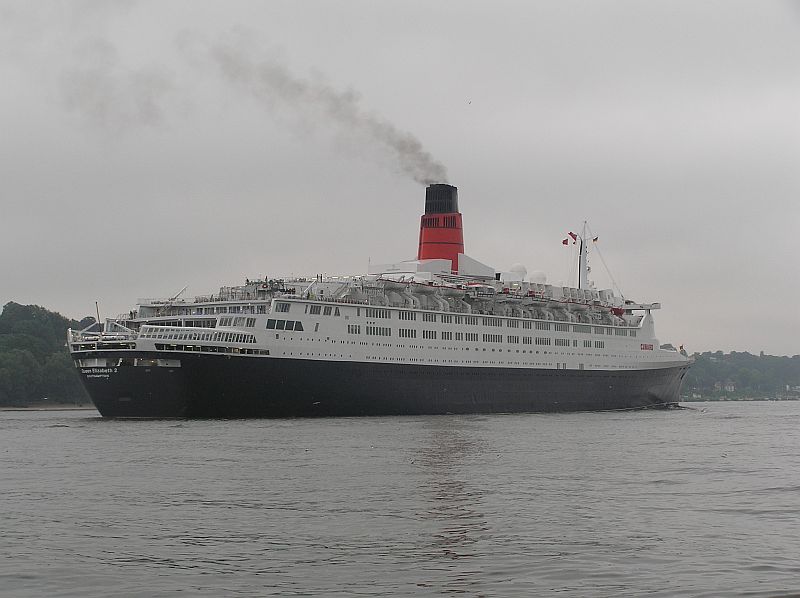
663	504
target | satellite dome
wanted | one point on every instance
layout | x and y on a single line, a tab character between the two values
538	277
519	269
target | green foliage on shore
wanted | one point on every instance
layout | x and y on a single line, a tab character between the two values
738	374
34	361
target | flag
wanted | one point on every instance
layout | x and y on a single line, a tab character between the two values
573	235
595	239
565	242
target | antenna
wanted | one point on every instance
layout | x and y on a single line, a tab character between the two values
583	266
97	310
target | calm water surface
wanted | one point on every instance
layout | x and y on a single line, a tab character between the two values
699	502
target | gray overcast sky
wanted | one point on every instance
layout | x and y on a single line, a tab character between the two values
150	145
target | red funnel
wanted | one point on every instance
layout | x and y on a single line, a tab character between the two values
440	231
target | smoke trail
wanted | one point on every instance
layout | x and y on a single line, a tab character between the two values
96	82
271	83
106	92
68	45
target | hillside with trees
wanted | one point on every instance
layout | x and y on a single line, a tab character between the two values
742	375
34	361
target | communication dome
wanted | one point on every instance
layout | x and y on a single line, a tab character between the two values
538	277
520	270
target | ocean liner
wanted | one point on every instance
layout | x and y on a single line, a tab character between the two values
440	334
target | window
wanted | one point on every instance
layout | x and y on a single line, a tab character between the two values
512	323
620	332
280	325
377	313
447	319
426	317
493	338
459	336
378	331
471	336
492	322
447	336
587	343
407	333
512	339
562	327
526	340
599	344
527	325
270	324
315	309
298	327
336	312
542	325
429	334
282	307
562	342
406	315
599	330
251	322
582	328
541	340
472	320
353	329
633	333
327	311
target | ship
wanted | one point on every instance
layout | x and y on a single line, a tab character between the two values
441	334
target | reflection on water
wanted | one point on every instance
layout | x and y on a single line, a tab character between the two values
453	503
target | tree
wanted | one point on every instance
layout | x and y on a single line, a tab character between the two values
59	380
34	361
20	377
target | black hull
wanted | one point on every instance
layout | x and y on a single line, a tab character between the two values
217	386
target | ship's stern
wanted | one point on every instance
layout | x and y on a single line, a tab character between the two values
124	382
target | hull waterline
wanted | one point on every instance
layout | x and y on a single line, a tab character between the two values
212	386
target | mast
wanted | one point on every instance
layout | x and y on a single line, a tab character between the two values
583	266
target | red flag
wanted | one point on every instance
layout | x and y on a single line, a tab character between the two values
573	235
565	242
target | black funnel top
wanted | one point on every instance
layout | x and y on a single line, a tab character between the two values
441	199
